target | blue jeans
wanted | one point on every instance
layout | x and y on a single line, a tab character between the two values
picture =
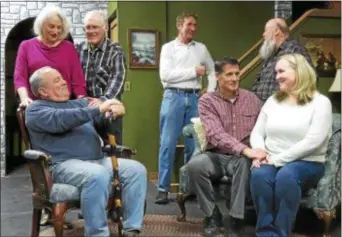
276	194
94	179
177	109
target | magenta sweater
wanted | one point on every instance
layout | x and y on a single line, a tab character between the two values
33	54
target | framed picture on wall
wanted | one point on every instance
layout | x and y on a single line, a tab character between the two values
325	52
143	48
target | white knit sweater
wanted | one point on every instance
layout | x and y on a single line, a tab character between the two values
292	132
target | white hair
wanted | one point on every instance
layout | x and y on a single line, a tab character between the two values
268	48
101	15
48	12
36	79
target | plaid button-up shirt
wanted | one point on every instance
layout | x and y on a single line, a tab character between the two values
228	124
104	68
265	84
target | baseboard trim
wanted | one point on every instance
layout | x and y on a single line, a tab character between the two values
153	177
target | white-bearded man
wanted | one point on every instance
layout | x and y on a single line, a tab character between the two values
277	42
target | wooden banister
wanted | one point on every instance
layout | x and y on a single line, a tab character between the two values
334	12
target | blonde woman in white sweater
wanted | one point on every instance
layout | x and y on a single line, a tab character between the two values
293	127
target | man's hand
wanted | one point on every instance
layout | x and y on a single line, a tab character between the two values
25	102
256	153
201	70
203	91
104	106
115	111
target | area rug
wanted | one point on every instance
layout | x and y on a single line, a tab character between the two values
154	225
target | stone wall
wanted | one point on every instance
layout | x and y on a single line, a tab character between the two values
13	12
283	9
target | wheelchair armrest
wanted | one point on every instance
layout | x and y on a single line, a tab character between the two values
119	151
36	155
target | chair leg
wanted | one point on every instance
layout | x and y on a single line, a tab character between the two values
45	218
328	216
181	199
120	229
36	215
58	213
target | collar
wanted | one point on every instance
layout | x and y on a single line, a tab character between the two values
102	46
218	94
179	43
283	45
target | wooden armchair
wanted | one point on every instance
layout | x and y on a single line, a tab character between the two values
58	199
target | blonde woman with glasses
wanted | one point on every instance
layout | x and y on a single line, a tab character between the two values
293	128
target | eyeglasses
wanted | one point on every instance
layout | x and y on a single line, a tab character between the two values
91	27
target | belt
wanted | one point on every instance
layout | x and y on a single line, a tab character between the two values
184	90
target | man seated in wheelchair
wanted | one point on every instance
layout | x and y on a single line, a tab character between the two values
228	116
65	129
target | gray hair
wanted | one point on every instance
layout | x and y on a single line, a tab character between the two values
47	12
36	79
101	15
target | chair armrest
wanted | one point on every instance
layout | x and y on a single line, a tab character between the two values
119	151
36	155
40	175
328	192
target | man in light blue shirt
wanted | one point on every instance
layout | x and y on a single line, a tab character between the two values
183	63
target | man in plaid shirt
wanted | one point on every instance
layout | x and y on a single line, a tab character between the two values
228	116
276	43
103	62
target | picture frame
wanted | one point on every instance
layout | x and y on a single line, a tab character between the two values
325	52
143	48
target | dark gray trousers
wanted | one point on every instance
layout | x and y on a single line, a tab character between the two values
208	167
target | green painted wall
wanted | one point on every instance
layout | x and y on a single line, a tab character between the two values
220	27
227	28
141	122
112	6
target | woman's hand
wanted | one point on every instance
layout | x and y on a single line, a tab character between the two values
25	102
255	163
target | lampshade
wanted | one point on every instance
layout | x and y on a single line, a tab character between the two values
336	86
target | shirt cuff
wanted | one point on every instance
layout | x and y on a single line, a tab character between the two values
94	111
238	148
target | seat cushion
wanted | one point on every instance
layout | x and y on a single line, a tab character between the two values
66	192
199	133
63	193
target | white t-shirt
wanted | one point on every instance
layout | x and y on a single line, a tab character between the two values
292	132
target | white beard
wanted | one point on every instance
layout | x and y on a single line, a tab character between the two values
267	49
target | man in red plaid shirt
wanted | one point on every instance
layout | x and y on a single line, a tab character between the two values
228	116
